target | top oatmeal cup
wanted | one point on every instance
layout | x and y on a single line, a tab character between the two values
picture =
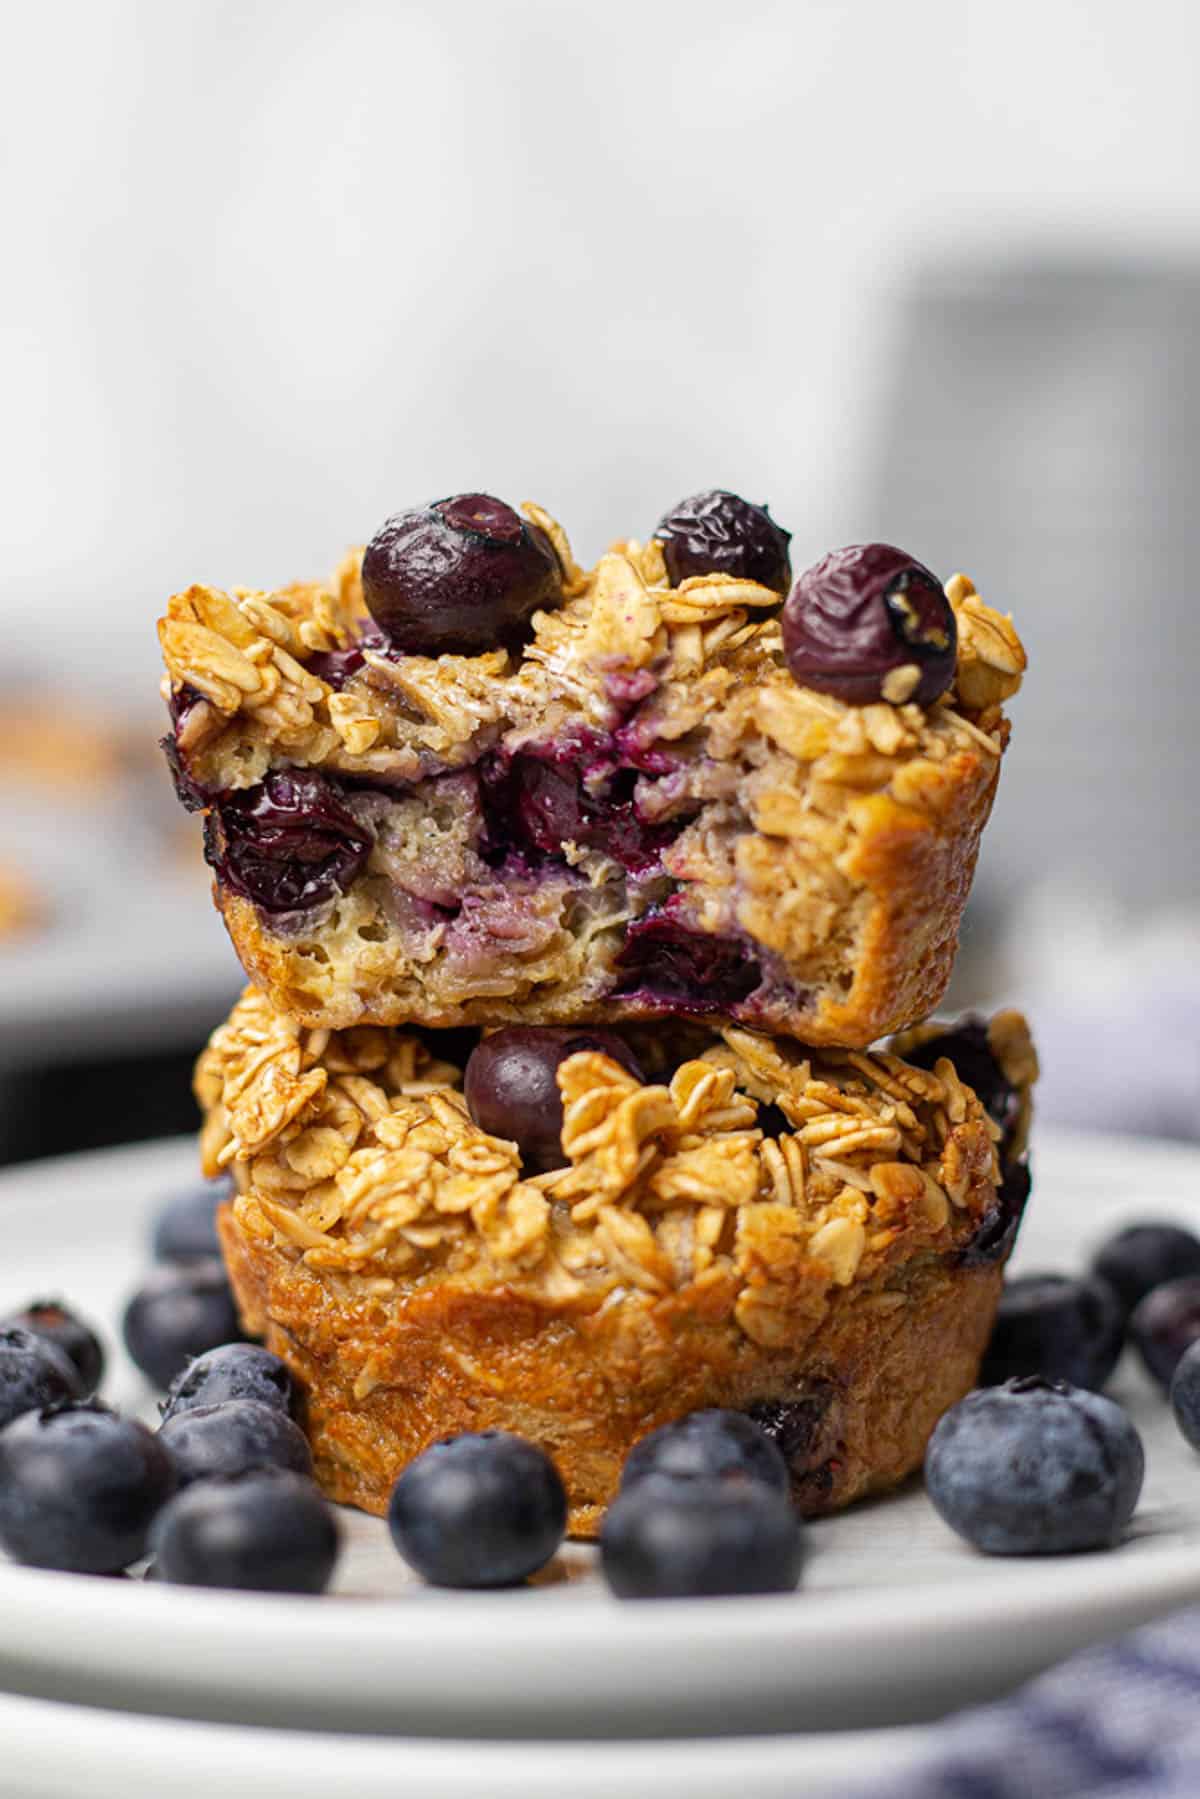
470	782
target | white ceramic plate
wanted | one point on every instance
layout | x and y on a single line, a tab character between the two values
896	1622
59	1752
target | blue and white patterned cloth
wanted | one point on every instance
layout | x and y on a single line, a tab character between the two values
1118	1722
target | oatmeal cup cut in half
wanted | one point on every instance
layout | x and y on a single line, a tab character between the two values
815	1238
653	792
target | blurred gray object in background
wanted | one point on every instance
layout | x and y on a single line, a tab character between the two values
1042	431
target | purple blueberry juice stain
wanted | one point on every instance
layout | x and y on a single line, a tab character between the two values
664	964
286	844
336	667
192	796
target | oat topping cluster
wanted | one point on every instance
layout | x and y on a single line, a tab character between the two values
357	1151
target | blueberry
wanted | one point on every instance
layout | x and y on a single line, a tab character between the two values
232	1371
708	1445
34	1373
268	1531
996	1232
676	1539
287	843
1064	1329
1185	1394
860	614
459	577
482	1510
1144	1256
1035	1468
233	1438
55	1323
183	1309
510	1086
967	1046
186	1227
718	533
79	1488
568	789
666	964
1165	1323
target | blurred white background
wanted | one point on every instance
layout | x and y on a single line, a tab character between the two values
274	270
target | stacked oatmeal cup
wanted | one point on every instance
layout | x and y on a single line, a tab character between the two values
578	907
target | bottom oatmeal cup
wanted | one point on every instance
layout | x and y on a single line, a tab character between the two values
816	1239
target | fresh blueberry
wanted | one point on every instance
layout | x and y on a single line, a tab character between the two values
233	1438
79	1488
183	1309
1185	1394
708	1445
1035	1468
269	1531
511	1090
37	1365
676	1539
482	1510
862	613
1143	1256
288	843
719	533
1166	1323
186	1227
232	1371
1049	1324
459	577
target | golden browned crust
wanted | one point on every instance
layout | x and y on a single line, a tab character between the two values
889	1357
420	1282
834	844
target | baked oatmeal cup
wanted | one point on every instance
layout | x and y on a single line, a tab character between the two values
719	1219
630	792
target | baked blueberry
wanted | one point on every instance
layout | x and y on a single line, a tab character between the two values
1143	1256
858	617
186	1227
1185	1394
484	1509
232	1371
233	1438
183	1309
664	1538
1053	1325
288	843
713	1444
459	577
666	964
269	1531
966	1044
1165	1323
79	1488
1035	1467
34	1346
510	1086
719	533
